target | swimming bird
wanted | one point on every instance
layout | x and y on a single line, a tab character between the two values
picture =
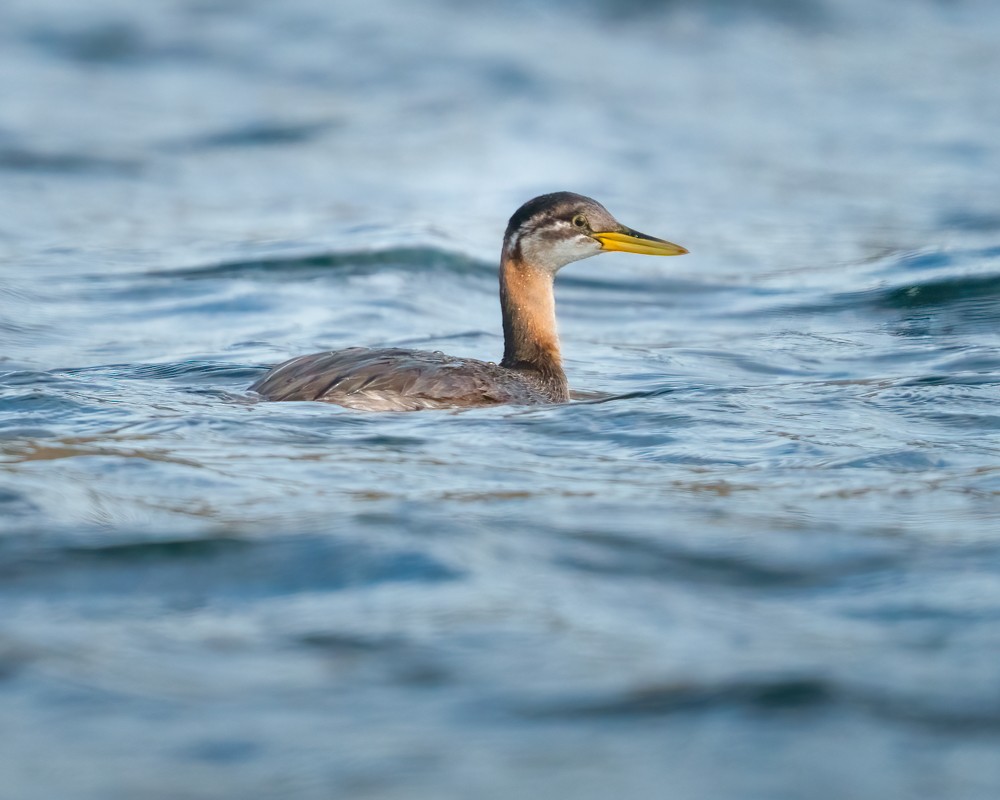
544	235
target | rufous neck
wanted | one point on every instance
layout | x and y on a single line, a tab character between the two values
529	319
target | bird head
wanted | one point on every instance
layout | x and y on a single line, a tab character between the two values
553	230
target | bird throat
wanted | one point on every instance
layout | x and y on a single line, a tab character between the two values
531	343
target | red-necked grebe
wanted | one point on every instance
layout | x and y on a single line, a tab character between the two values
544	235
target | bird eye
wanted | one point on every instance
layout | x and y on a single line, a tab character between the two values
580	221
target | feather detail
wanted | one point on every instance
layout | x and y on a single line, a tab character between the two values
403	380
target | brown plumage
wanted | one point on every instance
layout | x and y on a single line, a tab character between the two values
543	235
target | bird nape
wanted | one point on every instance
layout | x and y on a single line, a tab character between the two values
544	235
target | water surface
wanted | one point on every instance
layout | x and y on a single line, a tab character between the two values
761	562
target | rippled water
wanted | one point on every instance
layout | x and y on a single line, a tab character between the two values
759	559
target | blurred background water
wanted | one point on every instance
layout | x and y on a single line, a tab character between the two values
768	566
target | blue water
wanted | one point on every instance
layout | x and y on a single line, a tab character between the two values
759	559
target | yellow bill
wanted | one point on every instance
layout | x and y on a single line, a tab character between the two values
627	240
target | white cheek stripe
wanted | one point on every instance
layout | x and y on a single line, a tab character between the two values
552	257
